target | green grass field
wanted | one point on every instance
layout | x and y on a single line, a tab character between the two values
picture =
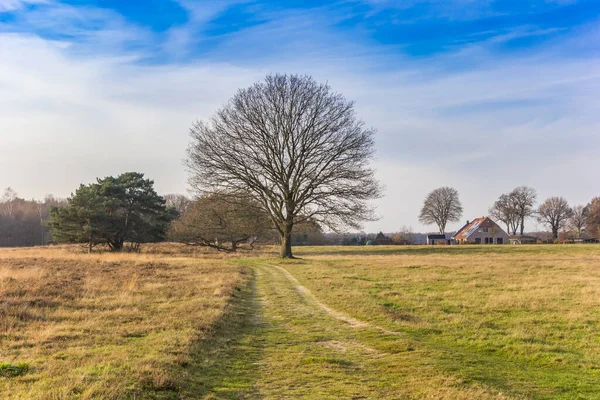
468	322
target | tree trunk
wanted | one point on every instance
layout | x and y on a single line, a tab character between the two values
286	242
116	245
522	225
555	233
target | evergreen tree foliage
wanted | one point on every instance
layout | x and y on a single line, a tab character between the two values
113	211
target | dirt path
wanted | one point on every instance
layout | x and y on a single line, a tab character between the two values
308	295
312	351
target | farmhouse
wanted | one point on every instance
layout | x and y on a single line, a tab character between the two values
481	231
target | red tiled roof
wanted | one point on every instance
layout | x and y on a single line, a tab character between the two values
468	229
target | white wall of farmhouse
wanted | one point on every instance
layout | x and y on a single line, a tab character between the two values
491	235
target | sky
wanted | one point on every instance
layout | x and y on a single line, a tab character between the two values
480	95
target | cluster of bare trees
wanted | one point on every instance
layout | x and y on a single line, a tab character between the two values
514	208
221	222
24	222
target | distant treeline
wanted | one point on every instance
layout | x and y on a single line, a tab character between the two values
212	221
24	222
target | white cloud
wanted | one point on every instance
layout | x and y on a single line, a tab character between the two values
75	119
12	5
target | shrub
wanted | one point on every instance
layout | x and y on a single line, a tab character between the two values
9	370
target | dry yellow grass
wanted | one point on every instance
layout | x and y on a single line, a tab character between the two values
105	326
174	322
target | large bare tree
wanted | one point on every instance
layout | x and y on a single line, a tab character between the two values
523	198
555	213
440	207
296	147
578	219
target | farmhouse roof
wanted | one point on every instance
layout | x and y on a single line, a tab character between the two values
469	228
461	229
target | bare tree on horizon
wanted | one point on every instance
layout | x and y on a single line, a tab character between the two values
505	210
440	207
524	198
593	217
555	213
578	219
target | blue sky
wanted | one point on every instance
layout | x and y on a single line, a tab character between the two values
481	95
415	28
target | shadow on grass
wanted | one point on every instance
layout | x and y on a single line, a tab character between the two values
223	366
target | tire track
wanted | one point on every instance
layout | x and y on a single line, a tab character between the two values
309	295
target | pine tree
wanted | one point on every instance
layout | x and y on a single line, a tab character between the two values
113	211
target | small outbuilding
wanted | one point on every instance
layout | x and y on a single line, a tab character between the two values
436	239
481	231
523	239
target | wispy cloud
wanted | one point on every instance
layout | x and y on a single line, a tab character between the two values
85	29
11	5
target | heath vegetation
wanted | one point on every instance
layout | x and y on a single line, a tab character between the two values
108	326
386	322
